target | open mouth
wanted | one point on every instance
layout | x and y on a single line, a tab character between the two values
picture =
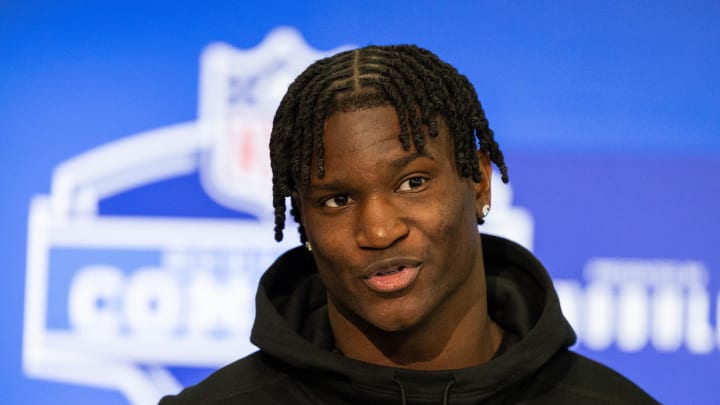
389	272
393	279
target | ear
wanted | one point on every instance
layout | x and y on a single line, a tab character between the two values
482	188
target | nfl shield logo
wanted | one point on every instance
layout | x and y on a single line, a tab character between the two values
240	91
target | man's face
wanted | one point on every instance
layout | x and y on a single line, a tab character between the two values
393	232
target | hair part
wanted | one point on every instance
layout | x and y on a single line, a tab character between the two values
421	87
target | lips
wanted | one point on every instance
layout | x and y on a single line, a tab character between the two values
392	275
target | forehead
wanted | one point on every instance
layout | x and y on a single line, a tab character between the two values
371	136
361	129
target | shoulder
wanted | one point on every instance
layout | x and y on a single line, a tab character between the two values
255	378
572	378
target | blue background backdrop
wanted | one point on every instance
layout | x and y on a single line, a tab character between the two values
607	112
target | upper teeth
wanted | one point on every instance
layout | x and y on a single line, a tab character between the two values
386	272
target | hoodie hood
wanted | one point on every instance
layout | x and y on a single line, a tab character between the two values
291	326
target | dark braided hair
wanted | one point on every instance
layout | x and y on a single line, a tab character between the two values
420	86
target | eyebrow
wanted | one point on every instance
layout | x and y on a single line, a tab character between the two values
402	162
396	164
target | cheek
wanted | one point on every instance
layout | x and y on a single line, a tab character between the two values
331	274
454	220
324	235
330	242
331	249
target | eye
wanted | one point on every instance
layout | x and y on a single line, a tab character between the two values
337	201
413	183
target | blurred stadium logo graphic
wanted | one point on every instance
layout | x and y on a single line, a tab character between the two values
642	303
115	301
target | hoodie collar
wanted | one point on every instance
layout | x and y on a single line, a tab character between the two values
291	325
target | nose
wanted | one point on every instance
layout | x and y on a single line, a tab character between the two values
380	224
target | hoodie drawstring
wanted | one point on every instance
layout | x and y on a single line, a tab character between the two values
446	392
402	391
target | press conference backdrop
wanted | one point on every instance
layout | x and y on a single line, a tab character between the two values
136	206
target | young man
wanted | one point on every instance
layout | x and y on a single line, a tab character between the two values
396	297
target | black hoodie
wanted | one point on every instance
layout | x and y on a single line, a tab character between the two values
297	363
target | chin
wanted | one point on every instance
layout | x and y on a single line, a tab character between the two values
394	324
